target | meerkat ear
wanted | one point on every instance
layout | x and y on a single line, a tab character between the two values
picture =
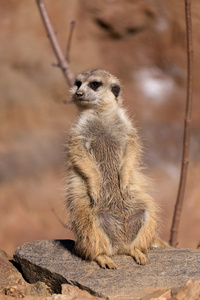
115	90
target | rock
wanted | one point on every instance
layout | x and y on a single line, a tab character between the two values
158	295
6	297
13	284
118	20
54	263
73	292
70	292
191	291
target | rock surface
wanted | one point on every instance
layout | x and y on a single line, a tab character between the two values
191	291
13	284
54	263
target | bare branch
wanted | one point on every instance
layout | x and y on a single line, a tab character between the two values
186	138
59	220
73	24
68	102
62	63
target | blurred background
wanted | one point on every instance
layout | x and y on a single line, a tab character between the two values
143	43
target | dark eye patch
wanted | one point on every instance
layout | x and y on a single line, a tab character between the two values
95	85
78	83
115	90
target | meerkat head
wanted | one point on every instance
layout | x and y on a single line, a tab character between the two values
96	89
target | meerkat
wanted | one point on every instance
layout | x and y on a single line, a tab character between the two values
110	209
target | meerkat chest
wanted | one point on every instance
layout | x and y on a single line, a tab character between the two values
105	147
105	143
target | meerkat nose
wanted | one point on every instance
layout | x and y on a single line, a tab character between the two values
80	95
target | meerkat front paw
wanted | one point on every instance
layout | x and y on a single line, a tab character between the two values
138	256
94	195
105	262
124	192
124	189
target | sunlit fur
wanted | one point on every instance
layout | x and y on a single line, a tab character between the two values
109	207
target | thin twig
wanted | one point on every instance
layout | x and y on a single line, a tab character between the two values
62	63
59	220
73	24
186	139
68	101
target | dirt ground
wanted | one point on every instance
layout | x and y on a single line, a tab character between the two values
141	42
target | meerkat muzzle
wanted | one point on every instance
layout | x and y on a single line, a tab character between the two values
80	95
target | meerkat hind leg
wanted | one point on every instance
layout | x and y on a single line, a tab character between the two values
139	257
105	262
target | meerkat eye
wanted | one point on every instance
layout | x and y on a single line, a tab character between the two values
78	83
95	85
115	90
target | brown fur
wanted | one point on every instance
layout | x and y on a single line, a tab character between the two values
110	209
